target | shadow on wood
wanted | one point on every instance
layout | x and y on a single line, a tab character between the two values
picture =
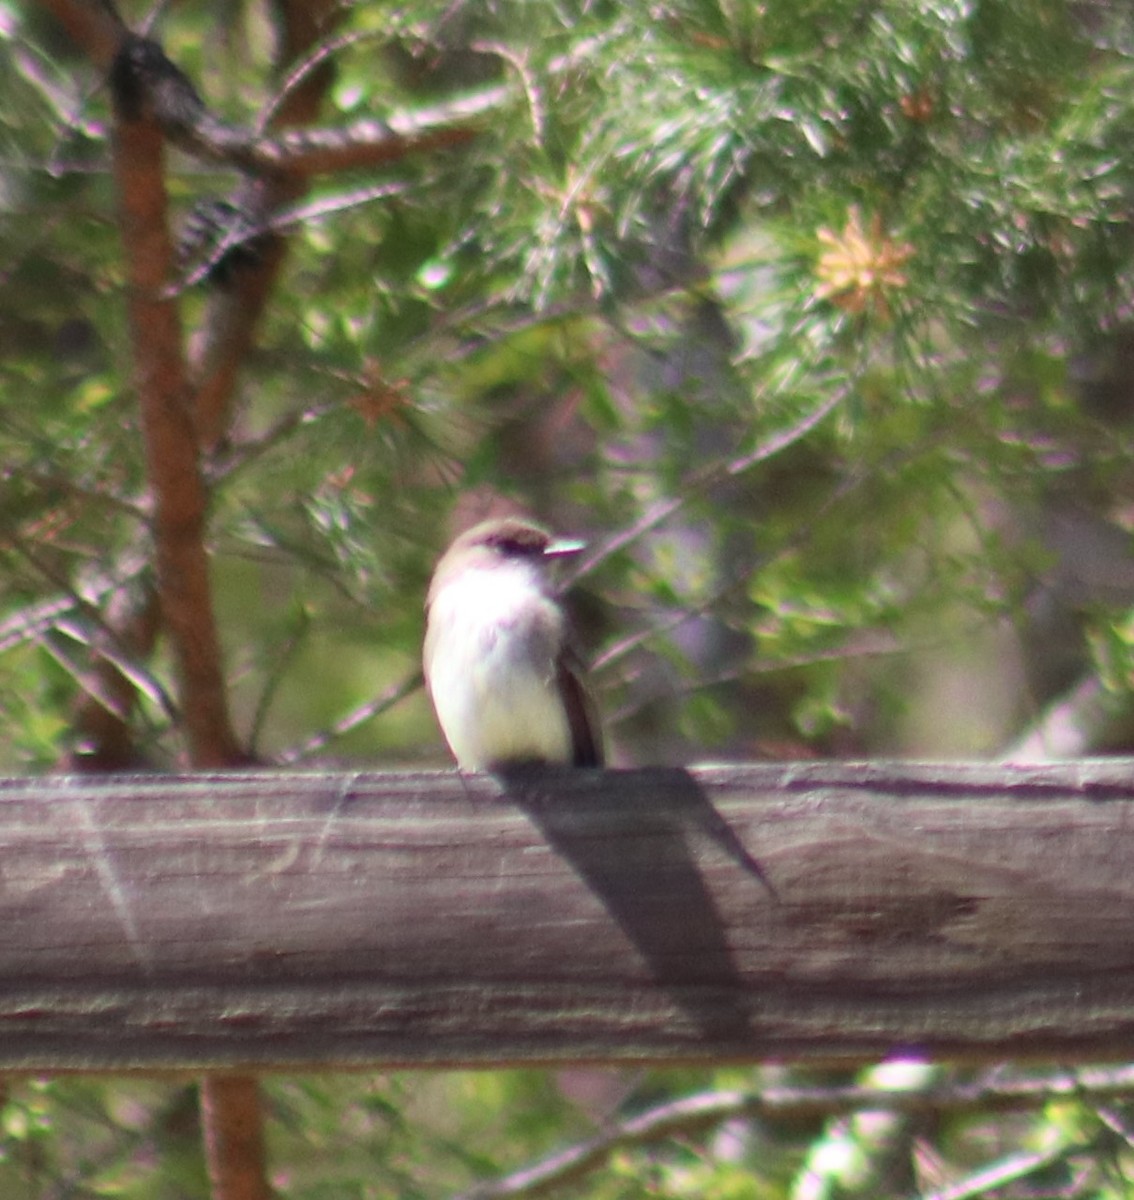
642	864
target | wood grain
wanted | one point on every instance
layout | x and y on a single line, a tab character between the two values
833	911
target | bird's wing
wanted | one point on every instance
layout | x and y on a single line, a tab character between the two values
582	715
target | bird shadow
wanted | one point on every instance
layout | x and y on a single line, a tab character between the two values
640	853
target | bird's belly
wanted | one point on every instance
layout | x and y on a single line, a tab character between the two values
497	696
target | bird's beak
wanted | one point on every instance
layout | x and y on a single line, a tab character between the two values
564	548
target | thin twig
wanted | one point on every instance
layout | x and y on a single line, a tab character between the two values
301	73
1008	1170
357	716
690	1114
282	659
704	480
281	221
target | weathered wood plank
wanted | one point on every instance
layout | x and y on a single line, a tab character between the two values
309	920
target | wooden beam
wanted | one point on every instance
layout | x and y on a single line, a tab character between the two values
831	911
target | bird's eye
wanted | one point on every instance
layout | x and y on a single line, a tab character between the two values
518	547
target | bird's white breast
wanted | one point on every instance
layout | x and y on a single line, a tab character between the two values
493	642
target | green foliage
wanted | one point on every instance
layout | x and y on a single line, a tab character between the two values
830	301
684	234
436	1135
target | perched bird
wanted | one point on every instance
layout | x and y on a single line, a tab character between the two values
499	667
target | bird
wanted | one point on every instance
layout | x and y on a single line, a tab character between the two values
499	664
